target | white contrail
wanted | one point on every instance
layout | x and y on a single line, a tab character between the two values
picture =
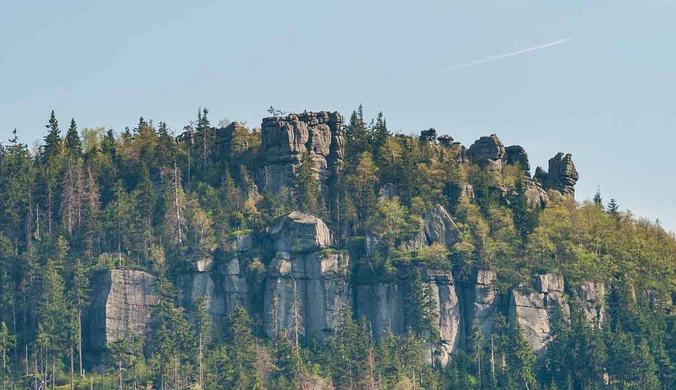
501	56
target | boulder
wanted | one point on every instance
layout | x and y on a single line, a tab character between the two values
516	154
445	140
121	305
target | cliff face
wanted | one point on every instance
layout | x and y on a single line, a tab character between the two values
120	306
306	283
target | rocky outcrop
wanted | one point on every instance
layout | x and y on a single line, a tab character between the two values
121	304
383	304
592	297
488	153
533	309
445	140
301	233
516	154
482	303
222	284
561	176
307	284
458	191
439	227
286	138
428	136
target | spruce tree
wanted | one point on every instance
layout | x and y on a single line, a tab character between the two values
73	143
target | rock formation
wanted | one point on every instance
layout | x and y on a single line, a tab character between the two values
488	153
383	303
121	304
482	303
533	309
286	138
307	283
592	298
223	284
516	154
439	227
561	176
429	136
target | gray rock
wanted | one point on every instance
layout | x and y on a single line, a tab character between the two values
445	140
457	191
382	304
516	154
439	227
533	309
592	295
561	177
488	152
306	293
482	303
428	136
121	304
301	233
286	138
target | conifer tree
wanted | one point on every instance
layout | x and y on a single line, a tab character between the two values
73	143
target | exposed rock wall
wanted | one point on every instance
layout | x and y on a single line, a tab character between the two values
383	303
121	304
223	284
482	303
308	283
533	309
286	138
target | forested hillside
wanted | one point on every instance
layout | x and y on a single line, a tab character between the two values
311	253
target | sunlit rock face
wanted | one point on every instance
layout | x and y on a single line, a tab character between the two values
307	282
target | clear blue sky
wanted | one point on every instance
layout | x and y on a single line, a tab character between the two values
607	96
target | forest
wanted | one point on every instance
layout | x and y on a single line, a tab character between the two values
84	201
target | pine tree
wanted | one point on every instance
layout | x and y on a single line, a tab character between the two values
598	200
52	141
72	143
380	132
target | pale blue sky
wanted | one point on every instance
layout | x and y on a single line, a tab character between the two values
607	96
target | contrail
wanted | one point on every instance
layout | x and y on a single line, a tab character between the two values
501	56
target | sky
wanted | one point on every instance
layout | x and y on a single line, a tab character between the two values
606	95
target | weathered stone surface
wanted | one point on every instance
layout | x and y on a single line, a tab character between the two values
488	152
286	138
429	135
592	296
439	226
516	154
383	305
301	233
121	304
457	191
223	288
308	283
481	302
561	177
536	195
306	292
533	309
